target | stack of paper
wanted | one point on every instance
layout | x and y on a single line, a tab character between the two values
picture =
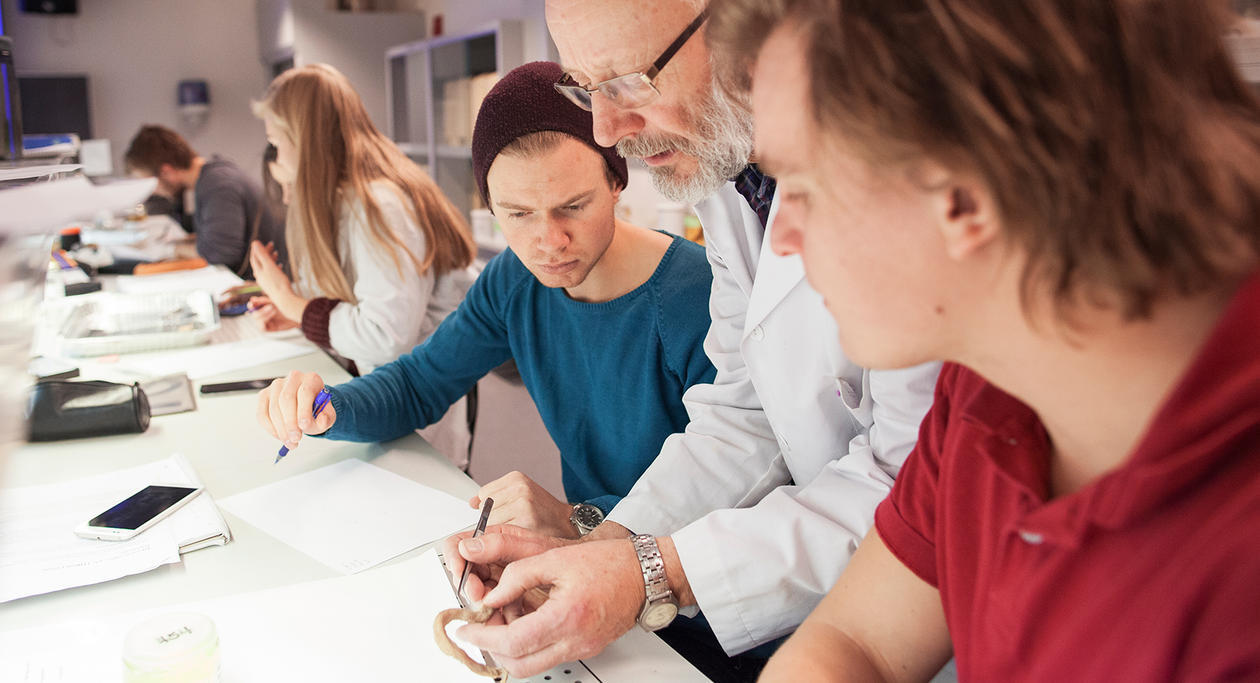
39	552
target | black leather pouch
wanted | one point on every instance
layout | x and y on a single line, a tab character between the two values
73	410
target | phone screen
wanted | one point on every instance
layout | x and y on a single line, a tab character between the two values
141	507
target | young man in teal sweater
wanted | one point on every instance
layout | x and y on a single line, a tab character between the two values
606	320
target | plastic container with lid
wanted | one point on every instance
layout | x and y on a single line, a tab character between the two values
179	647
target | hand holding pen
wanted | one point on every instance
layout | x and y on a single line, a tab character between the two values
321	400
293	406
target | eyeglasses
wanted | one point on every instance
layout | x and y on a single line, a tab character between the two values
634	89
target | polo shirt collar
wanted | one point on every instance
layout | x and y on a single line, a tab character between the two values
1215	403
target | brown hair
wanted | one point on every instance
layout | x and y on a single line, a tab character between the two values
1121	145
541	142
339	150
155	145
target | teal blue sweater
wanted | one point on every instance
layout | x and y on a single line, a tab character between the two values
607	378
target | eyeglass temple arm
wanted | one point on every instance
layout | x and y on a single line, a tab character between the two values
677	44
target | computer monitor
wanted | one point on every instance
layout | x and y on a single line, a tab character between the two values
10	104
56	104
50	6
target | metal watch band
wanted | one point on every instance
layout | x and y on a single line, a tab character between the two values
656	587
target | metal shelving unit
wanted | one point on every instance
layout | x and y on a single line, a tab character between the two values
433	87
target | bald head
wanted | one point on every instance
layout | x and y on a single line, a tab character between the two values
691	137
599	39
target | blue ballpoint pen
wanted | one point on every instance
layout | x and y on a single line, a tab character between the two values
321	400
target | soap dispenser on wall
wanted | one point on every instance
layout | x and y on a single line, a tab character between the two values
194	102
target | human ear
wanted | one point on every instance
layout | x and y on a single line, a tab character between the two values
964	211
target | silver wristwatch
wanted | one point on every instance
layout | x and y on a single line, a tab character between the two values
585	517
659	605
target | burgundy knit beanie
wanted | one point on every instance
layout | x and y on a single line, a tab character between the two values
525	102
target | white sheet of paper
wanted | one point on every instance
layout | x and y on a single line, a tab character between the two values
351	515
53	204
39	552
212	279
375	626
213	359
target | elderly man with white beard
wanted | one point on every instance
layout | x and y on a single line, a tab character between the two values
751	513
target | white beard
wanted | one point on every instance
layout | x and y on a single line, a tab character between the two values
721	144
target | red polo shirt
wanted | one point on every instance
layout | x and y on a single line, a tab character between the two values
1150	573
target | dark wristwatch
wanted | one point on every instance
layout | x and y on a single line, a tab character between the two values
659	605
585	517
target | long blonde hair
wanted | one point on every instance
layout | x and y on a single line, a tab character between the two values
340	151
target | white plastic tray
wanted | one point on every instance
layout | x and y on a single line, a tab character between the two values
105	323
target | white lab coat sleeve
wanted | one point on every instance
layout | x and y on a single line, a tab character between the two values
757	572
728	455
386	321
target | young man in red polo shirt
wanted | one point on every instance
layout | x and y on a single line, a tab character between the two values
1063	199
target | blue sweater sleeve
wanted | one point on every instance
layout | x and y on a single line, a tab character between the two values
605	503
418	388
684	316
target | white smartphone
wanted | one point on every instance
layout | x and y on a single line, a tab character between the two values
138	512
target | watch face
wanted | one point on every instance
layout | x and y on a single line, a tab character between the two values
587	516
658	616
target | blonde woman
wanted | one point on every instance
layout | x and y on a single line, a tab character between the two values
379	256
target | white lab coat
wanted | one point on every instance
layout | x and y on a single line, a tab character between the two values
776	478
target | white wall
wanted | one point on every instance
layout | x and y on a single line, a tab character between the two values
135	51
355	43
275	30
464	16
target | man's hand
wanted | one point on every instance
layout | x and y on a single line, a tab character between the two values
596	593
490	553
521	501
284	408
